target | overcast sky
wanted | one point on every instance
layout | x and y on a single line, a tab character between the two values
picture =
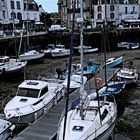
48	5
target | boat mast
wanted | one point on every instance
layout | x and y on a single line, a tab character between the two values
69	70
83	94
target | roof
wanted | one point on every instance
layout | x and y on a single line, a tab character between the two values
33	84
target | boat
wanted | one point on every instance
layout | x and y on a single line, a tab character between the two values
129	75
114	88
114	61
31	55
128	45
6	129
86	49
96	124
58	50
91	119
32	100
75	82
11	65
48	50
89	70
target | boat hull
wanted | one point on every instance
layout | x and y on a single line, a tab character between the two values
115	63
31	57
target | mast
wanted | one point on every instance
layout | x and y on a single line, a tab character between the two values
69	70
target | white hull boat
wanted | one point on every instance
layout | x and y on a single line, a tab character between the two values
10	65
92	126
75	82
31	55
128	75
128	45
33	99
57	51
86	49
6	129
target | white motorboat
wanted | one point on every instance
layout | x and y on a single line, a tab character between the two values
128	45
6	129
86	49
33	99
10	65
75	82
58	50
97	123
31	55
128	75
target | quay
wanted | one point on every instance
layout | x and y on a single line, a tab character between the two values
45	128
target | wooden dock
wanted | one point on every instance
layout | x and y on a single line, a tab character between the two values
46	127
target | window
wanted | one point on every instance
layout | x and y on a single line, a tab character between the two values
19	16
18	5
44	91
99	8
13	15
99	16
12	5
126	10
3	13
104	114
112	15
112	8
28	92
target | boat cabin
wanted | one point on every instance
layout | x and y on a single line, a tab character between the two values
32	88
4	59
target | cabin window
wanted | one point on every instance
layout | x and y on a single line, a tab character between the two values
44	91
33	93
112	15
104	114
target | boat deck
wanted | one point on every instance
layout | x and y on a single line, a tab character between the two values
46	127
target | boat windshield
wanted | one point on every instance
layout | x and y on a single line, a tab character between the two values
33	93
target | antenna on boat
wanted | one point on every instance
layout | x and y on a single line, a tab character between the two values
69	69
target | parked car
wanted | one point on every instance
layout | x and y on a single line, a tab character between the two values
18	31
57	28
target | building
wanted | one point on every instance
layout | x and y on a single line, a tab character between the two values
19	11
95	12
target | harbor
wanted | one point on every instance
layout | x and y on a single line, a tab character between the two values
9	86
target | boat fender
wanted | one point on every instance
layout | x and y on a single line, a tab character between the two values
99	82
35	116
12	128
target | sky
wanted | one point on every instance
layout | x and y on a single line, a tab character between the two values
48	5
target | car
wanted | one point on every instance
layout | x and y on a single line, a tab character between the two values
57	28
18	31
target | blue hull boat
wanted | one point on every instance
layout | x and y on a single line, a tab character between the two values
114	61
113	88
89	70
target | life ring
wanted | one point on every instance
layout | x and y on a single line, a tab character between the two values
99	81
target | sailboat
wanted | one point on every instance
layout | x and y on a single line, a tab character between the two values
31	54
92	118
